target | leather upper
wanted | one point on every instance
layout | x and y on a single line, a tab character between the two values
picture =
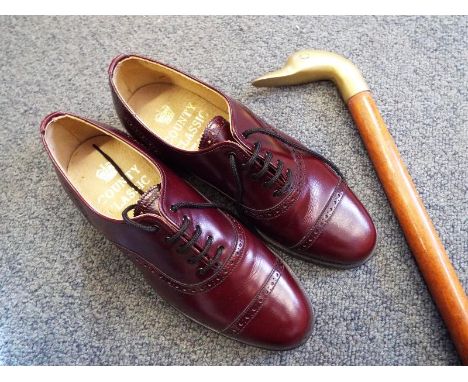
251	296
318	219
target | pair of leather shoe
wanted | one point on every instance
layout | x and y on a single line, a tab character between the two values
195	254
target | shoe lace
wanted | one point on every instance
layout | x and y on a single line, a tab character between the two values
211	263
255	157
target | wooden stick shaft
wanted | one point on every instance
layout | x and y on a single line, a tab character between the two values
422	238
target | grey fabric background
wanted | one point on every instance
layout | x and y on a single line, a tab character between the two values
67	296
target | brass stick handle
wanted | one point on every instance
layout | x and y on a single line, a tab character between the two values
422	238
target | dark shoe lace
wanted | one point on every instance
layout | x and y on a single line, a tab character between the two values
211	263
267	165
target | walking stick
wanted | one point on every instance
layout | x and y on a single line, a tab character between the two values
448	294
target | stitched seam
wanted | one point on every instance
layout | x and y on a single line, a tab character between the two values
254	307
148	203
281	208
230	265
153	198
323	219
252	300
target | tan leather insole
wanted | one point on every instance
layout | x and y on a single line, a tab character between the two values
175	114
98	181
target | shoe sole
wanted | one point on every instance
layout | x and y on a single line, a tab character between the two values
314	260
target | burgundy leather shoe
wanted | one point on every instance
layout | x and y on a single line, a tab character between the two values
199	259
297	199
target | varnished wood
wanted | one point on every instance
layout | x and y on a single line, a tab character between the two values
416	224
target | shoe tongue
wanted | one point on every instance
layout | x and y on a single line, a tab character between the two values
149	202
217	130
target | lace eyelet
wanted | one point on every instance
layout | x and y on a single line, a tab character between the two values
173	208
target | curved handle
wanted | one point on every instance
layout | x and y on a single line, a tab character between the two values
313	65
433	262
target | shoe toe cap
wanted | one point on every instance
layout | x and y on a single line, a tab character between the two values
285	319
349	237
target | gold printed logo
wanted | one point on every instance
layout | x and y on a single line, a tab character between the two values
164	115
118	193
106	172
